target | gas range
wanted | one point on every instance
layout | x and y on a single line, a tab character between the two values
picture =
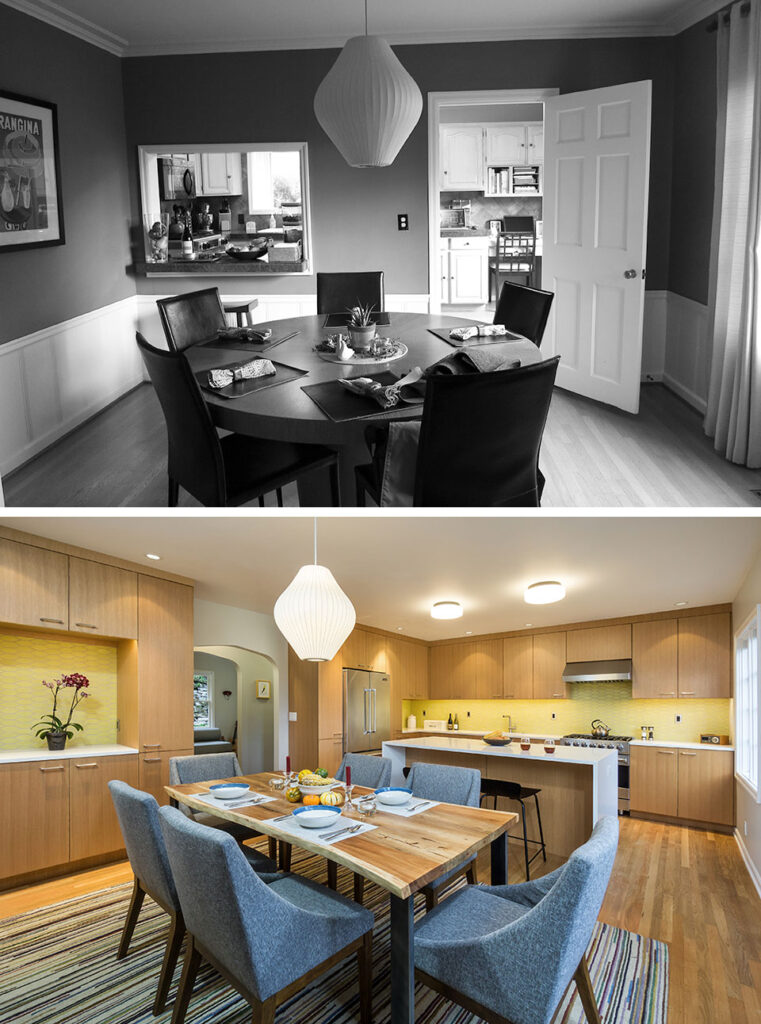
586	739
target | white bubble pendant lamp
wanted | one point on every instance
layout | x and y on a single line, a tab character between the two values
368	103
313	613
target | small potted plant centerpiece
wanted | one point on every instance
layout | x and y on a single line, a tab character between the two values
361	327
52	727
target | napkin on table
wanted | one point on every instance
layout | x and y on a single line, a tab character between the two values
477	331
246	370
389	395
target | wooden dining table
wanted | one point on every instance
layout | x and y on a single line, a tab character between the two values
401	855
286	413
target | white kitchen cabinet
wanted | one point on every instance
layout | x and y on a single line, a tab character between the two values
220	174
535	143
506	144
464	266
462	157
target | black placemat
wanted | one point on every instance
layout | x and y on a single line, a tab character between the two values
340	405
241	388
342	319
443	333
258	347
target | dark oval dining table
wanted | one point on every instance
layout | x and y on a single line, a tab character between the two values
286	413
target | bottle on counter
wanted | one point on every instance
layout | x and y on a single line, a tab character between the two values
225	218
456	725
273	222
450	723
187	241
644	732
651	732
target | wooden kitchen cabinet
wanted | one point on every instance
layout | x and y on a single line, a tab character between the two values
468	277
706	786
549	661
535	143
705	644
453	672
102	599
330	754
366	650
488	659
34	816
375	653
93	825
34	586
165	664
655	667
408	668
461	157
330	699
506	144
153	771
601	643
653	780
220	174
518	668
303	698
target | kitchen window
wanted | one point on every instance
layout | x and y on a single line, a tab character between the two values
748	703
203	699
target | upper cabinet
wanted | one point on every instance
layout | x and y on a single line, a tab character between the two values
408	667
34	586
102	599
363	649
535	143
549	662
220	174
488	659
506	144
599	643
453	671
518	667
462	157
705	644
654	658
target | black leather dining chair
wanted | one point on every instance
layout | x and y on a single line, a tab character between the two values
479	443
524	310
221	471
336	293
191	318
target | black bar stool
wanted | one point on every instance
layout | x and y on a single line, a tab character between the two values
514	791
241	310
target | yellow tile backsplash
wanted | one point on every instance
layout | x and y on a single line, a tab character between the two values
612	702
25	661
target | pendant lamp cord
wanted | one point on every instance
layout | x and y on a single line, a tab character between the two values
315	540
365	17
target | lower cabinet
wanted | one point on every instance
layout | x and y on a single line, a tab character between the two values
94	828
696	785
153	772
330	753
34	816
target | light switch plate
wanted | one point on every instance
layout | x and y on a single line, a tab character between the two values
293	716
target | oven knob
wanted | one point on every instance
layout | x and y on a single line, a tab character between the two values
619	746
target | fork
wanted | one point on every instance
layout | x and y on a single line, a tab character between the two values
422	803
343	831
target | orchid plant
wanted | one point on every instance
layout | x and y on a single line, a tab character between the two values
52	724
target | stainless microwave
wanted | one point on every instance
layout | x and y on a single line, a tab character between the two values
177	177
455	217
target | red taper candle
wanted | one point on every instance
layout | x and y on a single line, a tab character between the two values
348	775
287	762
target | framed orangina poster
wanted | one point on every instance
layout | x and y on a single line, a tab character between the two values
31	212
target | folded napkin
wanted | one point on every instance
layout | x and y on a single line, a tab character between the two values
221	377
477	331
246	333
477	360
389	395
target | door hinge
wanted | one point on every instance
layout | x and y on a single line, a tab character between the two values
644	273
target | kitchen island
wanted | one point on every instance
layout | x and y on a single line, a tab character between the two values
578	784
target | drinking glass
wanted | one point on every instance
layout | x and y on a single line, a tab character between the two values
348	789
525	743
366	805
549	745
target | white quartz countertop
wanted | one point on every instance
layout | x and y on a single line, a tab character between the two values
562	755
43	754
684	744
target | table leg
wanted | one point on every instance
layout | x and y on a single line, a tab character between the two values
314	487
402	961
499	860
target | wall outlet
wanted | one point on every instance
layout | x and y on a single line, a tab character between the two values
241	218
402	222
293	716
118	724
553	716
468	714
678	719
424	714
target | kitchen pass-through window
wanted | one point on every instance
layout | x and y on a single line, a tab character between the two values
747	702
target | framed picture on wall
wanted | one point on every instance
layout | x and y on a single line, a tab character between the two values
263	689
31	211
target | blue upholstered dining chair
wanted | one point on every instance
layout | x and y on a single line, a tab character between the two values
450	785
366	770
508	952
208	768
267	941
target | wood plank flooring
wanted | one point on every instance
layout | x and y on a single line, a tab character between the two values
592	455
686	887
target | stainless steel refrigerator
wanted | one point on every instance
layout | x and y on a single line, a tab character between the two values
367	710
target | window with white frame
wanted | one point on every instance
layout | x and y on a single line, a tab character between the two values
747	702
203	699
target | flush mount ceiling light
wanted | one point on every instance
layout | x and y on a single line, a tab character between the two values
368	104
681	604
446	610
544	592
313	613
155	558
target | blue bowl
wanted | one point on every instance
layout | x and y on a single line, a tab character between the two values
317	816
394	796
232	790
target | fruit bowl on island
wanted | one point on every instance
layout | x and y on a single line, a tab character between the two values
498	738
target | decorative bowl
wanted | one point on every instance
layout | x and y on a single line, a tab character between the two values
318	790
316	817
394	796
257	248
493	741
229	790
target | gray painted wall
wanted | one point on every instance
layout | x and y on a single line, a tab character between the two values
47	286
227	98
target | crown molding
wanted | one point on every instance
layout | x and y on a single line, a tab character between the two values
57	16
693	11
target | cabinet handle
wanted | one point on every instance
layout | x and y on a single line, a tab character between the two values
85	625
558	695
687	693
58	768
338	735
152	760
58	622
151	746
508	696
90	764
668	753
669	694
688	753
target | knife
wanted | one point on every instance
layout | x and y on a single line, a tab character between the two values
423	803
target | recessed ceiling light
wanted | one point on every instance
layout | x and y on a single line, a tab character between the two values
446	610
544	592
528	624
154	558
681	604
468	632
400	628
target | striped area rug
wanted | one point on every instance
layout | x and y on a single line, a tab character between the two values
58	965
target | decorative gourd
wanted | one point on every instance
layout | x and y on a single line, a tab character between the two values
333	798
293	795
321	771
311	800
304	772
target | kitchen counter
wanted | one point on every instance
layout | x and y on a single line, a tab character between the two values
682	744
225	265
562	755
464	232
43	754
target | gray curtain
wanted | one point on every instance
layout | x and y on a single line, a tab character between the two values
733	414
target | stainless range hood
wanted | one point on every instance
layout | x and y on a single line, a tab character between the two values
598	671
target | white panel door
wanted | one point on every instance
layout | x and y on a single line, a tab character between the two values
462	157
596	174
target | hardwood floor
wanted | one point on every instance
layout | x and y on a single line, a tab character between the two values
686	887
592	456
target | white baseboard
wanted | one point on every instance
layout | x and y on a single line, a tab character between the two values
755	875
55	379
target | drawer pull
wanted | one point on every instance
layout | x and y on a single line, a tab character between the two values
152	760
151	746
669	694
558	695
668	753
58	622
85	625
90	764
687	693
688	753
58	768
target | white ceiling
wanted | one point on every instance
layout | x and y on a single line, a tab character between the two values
197	26
393	568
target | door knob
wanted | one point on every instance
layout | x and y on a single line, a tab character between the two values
629	274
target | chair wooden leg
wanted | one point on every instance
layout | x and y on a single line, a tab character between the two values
135	903
272	848
586	992
332	875
472	875
185	991
174	493
365	965
431	899
285	855
279	493
360	493
261	501
172	952
265	1014
359	889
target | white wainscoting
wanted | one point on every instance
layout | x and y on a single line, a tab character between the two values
654	335
675	346
54	379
